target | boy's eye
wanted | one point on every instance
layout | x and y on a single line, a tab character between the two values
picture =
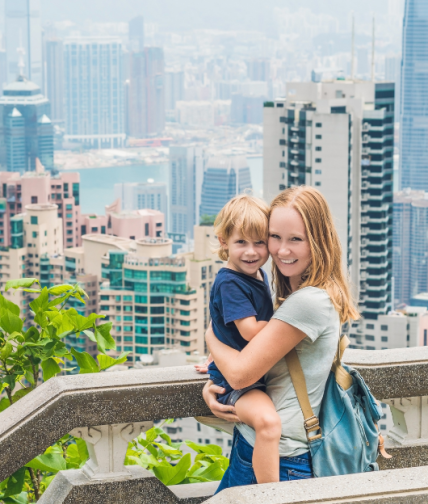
261	242
241	241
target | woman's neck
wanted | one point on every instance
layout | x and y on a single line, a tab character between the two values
294	283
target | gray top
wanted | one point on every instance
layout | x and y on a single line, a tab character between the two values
310	310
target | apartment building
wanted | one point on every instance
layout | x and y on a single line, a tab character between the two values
154	299
338	137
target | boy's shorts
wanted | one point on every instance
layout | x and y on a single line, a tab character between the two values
236	394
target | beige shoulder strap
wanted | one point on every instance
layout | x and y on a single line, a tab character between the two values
298	378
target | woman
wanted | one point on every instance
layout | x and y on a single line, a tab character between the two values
312	301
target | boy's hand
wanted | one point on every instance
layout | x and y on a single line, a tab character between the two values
203	368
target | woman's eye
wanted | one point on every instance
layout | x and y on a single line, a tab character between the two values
296	239
274	236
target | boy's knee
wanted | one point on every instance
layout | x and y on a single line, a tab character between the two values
269	425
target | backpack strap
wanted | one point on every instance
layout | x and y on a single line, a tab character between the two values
311	421
343	378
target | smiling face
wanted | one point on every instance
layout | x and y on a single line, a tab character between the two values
246	255
289	244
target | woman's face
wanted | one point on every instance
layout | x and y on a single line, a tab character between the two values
288	243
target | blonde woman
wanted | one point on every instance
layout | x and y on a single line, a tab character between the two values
312	300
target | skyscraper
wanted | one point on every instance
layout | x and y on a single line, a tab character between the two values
174	88
26	131
338	136
224	178
186	168
414	97
23	35
93	91
146	93
54	55
137	195
136	34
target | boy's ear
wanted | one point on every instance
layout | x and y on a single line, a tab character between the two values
223	244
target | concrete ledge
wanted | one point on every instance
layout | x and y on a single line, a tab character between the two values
141	487
61	404
400	486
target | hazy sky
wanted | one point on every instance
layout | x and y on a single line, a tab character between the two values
187	14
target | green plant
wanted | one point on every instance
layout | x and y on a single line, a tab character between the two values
207	220
156	452
26	351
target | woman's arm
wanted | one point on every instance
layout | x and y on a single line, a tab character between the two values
242	369
224	411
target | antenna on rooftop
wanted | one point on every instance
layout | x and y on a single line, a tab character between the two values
353	47
20	50
373	51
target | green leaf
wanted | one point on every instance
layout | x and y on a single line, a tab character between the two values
50	368
107	362
85	361
209	449
5	351
22	498
50	462
10	380
82	449
214	472
21	393
168	450
103	337
10	322
173	475
57	301
80	322
5	304
15	483
21	282
32	334
4	403
56	290
41	302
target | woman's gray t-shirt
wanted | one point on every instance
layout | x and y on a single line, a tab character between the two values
310	310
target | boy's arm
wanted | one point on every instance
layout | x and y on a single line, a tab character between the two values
203	368
248	327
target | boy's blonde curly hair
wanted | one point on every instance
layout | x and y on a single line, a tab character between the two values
250	215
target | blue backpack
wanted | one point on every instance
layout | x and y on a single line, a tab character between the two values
345	438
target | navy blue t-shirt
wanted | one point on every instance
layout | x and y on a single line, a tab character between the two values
236	296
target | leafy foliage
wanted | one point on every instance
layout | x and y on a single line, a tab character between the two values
35	349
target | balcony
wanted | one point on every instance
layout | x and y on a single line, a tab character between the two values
109	409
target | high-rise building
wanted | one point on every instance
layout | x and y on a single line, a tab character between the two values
154	299
93	91
259	69
186	169
23	37
410	257
414	96
338	136
146	93
174	88
26	131
224	178
393	74
246	109
136	34
137	195
54	56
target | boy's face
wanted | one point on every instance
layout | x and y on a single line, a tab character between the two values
245	255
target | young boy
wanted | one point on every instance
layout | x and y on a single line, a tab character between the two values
240	306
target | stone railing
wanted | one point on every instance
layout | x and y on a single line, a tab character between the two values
109	409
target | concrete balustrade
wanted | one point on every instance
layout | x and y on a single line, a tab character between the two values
108	410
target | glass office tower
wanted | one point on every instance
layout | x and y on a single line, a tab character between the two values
414	97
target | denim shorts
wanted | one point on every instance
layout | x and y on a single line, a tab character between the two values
240	471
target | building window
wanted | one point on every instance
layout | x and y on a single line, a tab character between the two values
318	137
317	160
34	234
425	337
103	230
383	327
369	337
318	125
384	338
33	219
369	326
318	148
146	229
317	184
318	172
34	200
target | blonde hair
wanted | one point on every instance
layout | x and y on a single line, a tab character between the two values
246	213
326	269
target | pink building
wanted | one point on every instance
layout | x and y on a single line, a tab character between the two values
17	191
136	224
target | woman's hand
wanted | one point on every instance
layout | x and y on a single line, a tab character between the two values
223	411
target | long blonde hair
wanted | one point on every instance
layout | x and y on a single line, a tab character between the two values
326	269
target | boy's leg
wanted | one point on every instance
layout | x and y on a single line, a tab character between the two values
256	409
